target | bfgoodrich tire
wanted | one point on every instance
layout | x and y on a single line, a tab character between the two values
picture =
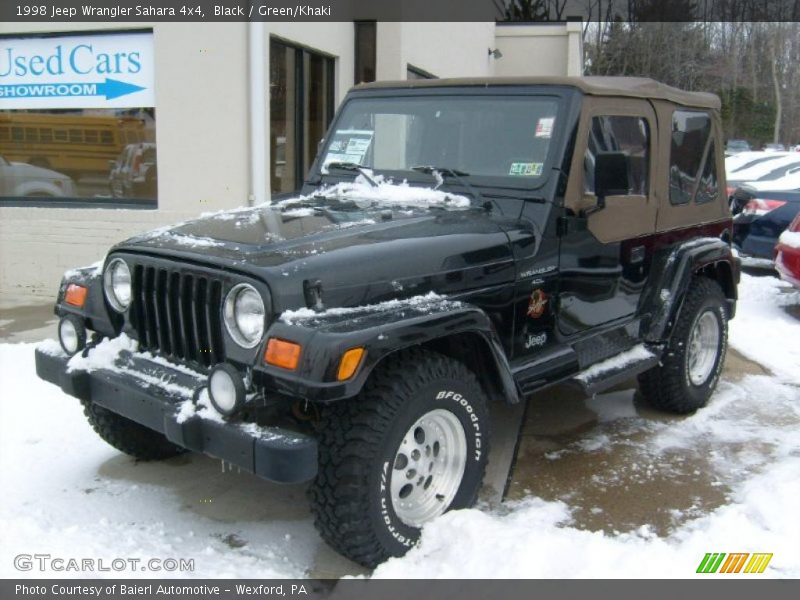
412	445
127	436
691	364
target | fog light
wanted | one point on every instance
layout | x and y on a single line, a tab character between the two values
226	389
71	334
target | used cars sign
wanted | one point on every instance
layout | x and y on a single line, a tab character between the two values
77	71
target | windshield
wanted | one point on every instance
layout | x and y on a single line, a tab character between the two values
492	136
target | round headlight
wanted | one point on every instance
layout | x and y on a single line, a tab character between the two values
117	285
244	315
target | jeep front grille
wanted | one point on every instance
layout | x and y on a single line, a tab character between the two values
177	314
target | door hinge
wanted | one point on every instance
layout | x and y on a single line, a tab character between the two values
569	224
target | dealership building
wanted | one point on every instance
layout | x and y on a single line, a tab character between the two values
107	130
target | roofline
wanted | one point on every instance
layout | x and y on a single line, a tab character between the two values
628	87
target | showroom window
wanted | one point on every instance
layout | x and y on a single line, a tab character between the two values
301	108
691	131
620	134
82	131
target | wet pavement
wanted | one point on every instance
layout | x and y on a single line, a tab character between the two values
600	455
604	456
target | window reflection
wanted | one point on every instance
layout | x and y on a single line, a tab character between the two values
90	154
301	108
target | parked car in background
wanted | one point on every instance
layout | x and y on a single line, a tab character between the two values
774	148
787	253
745	160
773	169
23	180
133	173
737	146
763	210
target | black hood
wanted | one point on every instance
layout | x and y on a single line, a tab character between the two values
359	253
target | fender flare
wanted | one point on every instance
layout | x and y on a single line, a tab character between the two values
324	338
671	274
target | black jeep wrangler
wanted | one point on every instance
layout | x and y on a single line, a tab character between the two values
457	246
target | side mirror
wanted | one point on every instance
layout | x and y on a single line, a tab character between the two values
612	175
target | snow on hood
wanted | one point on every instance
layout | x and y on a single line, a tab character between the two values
386	193
367	198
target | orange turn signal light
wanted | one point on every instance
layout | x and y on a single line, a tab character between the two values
76	295
349	363
282	354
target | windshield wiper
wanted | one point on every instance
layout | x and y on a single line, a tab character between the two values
351	166
455	174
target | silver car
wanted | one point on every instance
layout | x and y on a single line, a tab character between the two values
23	180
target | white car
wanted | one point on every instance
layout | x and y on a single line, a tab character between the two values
23	180
775	166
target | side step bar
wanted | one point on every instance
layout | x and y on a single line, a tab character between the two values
617	369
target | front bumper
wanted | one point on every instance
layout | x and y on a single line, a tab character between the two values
273	453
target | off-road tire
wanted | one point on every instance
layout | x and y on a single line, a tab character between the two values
128	436
358	439
668	386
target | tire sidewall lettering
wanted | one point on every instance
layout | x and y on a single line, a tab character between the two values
454	398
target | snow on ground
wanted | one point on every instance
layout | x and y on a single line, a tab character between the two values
750	431
66	493
763	330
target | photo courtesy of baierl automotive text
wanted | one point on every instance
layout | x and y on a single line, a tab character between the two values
310	292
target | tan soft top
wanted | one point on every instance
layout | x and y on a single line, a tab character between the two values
630	87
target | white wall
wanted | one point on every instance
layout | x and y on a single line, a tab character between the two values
540	49
442	49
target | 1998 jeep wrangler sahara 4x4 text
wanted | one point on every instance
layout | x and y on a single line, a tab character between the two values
458	245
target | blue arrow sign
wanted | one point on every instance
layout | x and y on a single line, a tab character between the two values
110	88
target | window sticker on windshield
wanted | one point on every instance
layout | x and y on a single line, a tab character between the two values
533	169
544	127
348	145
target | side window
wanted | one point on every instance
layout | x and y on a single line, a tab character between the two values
690	132
619	134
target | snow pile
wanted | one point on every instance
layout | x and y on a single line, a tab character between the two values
385	193
535	540
790	238
428	302
66	493
763	330
103	356
629	357
203	409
